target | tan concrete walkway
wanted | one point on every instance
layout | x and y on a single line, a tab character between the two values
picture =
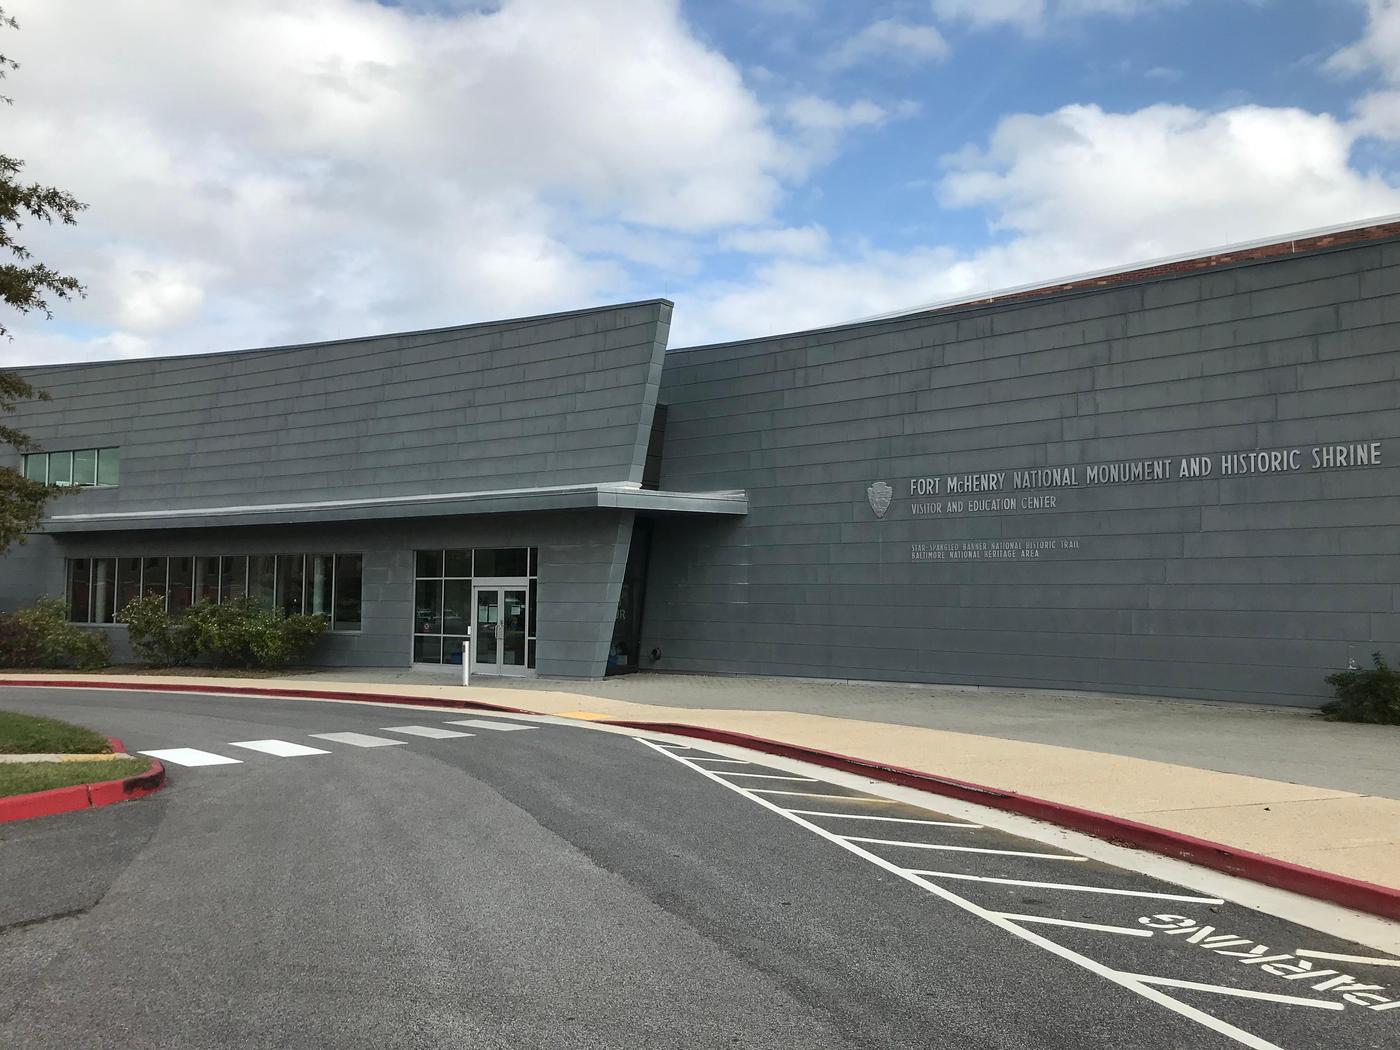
1347	832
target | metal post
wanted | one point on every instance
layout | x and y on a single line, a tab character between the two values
467	661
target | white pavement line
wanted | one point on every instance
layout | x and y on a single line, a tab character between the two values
726	761
431	732
1224	1028
1243	993
357	739
962	849
1048	921
891	820
1360	960
192	756
766	776
280	748
481	723
1069	886
803	794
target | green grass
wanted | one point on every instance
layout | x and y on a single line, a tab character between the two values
20	778
30	735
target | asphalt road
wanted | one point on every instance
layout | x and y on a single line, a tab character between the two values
562	887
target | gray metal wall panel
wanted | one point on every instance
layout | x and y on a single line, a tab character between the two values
557	400
1252	587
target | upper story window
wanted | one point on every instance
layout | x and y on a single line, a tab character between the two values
84	467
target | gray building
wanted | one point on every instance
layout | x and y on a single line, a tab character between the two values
1179	480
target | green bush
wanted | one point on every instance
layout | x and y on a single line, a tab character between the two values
235	634
1366	694
42	637
156	637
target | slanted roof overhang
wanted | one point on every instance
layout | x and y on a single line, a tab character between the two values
599	496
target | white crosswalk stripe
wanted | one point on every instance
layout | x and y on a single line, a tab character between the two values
192	756
481	723
280	748
357	739
431	732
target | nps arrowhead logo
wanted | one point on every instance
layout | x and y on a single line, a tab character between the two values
879	495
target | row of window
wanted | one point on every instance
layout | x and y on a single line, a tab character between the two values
518	562
84	466
442	600
327	585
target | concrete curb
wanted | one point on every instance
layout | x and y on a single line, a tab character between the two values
83	796
1309	882
305	694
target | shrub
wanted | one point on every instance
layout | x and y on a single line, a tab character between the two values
156	637
1367	694
235	634
42	637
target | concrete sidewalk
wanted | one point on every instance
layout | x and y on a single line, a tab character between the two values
1274	781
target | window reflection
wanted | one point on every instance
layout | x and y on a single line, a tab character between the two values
329	585
447	605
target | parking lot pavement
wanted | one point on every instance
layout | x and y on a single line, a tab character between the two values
1253	978
469	883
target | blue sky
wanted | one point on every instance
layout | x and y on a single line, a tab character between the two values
1209	55
261	173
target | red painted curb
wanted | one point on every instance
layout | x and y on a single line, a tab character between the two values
43	803
83	796
107	792
305	694
1310	882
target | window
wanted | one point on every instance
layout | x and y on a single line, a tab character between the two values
60	468
181	574
442	597
80	590
109	465
206	579
153	576
104	590
233	578
129	581
319	574
346	604
329	585
291	569
262	579
87	467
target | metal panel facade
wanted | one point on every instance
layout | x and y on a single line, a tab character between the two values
560	400
1130	569
544	401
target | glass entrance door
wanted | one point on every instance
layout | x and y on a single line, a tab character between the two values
499	630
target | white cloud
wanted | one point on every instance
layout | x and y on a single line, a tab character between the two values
1376	113
984	13
1166	178
1378	50
800	241
811	113
263	171
1034	16
1071	191
891	39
